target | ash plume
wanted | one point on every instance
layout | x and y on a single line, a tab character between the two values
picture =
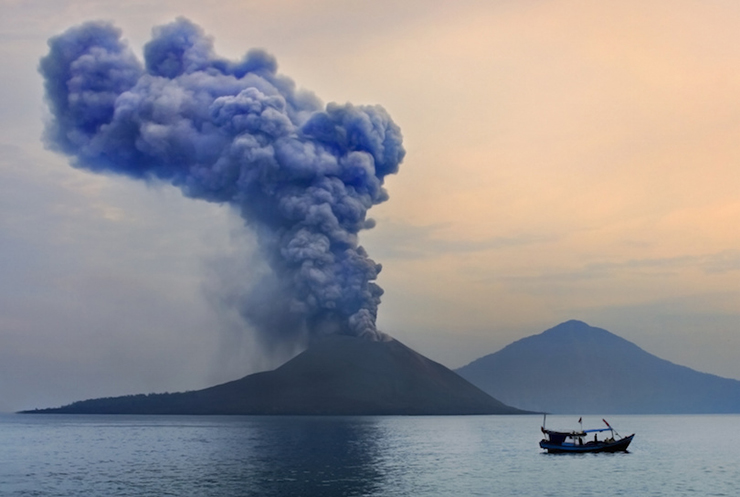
302	175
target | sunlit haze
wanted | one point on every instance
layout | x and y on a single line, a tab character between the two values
564	160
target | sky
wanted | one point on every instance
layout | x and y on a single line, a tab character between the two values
564	160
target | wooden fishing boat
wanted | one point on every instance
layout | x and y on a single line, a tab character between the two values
558	442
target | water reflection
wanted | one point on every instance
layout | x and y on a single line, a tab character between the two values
322	456
201	456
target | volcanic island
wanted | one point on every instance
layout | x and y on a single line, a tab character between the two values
336	375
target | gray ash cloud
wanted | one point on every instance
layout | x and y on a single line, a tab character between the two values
302	175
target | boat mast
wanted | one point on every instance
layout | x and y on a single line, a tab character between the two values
610	428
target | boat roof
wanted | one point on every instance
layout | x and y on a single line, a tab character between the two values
578	433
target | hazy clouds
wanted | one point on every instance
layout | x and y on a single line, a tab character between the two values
565	160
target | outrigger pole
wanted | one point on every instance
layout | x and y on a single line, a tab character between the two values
612	429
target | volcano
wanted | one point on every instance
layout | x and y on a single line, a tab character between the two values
336	375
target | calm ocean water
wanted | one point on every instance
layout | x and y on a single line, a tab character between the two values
60	455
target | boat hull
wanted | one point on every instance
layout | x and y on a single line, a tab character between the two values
591	447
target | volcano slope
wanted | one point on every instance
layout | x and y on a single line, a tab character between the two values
337	375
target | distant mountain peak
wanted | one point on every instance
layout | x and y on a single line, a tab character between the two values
577	368
573	325
579	331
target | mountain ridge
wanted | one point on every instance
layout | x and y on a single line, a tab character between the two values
577	368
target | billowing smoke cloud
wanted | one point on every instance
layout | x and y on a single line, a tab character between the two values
302	175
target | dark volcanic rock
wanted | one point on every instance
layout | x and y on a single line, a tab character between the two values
337	375
575	368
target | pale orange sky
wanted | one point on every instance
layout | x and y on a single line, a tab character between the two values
565	160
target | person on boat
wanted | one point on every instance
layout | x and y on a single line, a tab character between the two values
596	438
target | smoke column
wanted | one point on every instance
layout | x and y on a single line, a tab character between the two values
301	175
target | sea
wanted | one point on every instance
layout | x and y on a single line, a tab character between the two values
110	455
